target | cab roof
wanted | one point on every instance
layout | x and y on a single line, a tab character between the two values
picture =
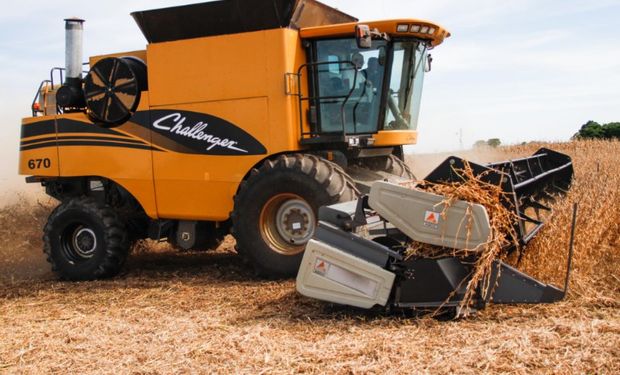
313	18
399	27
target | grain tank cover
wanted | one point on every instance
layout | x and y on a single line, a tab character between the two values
234	16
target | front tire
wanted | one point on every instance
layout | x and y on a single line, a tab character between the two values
398	167
391	164
85	240
276	208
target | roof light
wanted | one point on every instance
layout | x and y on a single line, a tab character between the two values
415	28
431	30
424	29
402	28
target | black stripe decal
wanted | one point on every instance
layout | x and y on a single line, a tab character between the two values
127	140
72	126
86	143
23	143
38	128
46	127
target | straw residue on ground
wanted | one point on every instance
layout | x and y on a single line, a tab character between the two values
193	312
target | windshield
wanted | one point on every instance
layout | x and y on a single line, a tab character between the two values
350	83
405	87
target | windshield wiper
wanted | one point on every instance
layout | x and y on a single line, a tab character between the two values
413	73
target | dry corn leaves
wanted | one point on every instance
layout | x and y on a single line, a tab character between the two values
474	189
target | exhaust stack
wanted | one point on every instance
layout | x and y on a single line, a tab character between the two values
74	28
70	94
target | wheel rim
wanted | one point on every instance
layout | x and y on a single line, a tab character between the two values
78	243
287	223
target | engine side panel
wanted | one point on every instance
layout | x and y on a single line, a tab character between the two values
76	147
86	149
207	149
38	149
235	85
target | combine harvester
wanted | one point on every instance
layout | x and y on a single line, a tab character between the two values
247	122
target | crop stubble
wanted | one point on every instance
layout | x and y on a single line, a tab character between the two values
193	312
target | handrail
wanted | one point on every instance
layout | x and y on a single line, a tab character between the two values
50	82
37	95
320	99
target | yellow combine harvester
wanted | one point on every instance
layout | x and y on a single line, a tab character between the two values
231	119
247	121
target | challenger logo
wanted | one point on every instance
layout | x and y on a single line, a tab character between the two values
159	130
194	132
200	133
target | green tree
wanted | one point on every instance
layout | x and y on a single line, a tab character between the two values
494	142
611	130
591	129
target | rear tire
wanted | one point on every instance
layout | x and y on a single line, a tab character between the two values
276	209
85	240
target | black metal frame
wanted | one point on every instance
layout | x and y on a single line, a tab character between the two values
43	83
524	182
318	99
429	283
317	135
36	97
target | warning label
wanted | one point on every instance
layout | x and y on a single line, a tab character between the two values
321	266
431	217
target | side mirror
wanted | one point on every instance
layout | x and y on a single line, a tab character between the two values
363	36
429	60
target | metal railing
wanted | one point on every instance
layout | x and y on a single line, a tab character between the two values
60	72
323	99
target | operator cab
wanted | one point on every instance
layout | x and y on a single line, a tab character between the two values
359	89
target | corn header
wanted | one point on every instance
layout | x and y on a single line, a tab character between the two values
359	255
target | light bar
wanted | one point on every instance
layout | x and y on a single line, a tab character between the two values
402	28
420	29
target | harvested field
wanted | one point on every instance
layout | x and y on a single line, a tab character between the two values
205	312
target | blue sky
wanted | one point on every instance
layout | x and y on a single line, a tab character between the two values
515	70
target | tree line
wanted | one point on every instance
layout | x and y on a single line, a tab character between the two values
589	130
594	130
